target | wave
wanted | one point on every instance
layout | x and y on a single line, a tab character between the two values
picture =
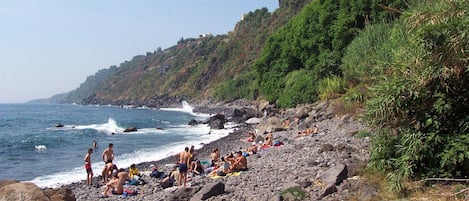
40	148
186	108
200	135
110	127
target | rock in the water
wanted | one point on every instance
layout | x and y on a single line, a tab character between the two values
193	122
130	129
335	175
209	190
25	191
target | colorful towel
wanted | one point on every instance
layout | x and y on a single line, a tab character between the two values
227	175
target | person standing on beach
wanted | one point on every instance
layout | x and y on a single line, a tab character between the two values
108	156
184	161
89	171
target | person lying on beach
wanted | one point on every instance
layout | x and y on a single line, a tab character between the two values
251	137
171	178
155	172
309	131
240	163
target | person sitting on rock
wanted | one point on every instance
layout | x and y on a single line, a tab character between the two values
240	163
267	143
214	157
198	169
133	172
117	187
252	149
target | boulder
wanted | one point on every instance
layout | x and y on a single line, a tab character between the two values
331	188
193	122
243	114
209	190
217	124
271	125
326	147
25	191
130	129
335	175
302	111
253	120
60	194
7	182
263	105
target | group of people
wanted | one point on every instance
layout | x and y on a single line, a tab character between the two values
113	178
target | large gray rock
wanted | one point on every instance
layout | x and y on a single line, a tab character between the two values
335	175
331	188
272	124
25	191
60	194
216	122
209	190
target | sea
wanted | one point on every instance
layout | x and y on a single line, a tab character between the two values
33	148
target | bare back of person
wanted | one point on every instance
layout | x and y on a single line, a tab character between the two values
184	161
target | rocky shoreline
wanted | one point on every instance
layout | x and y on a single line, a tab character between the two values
312	167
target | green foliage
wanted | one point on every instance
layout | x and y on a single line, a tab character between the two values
418	93
331	87
243	86
296	192
314	40
363	134
299	88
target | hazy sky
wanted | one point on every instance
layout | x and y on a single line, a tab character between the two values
50	46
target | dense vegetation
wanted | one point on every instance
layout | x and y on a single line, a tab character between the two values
309	48
415	72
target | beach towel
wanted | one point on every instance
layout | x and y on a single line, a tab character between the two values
227	175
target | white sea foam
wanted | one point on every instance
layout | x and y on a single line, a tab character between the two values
187	109
109	128
200	134
40	148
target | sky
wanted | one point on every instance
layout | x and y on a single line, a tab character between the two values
49	47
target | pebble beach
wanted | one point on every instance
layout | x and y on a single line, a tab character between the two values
302	163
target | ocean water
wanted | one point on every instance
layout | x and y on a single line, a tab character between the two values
33	149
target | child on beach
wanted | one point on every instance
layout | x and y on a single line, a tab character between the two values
89	171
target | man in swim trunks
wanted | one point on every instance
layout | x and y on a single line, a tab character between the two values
184	160
108	156
89	171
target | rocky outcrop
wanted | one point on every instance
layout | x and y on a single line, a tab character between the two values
27	191
209	190
271	125
130	129
216	122
60	194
